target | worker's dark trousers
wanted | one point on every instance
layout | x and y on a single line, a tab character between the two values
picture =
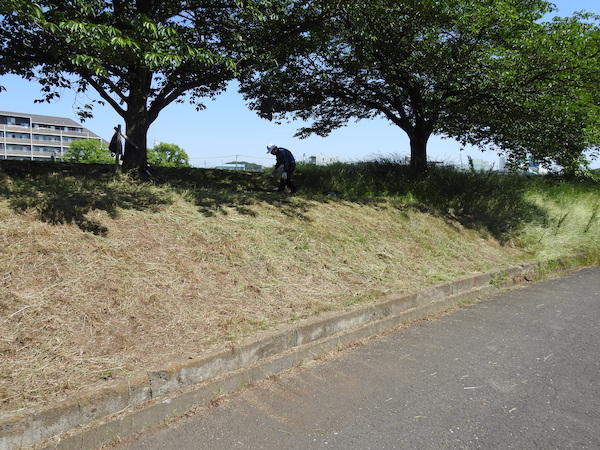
288	182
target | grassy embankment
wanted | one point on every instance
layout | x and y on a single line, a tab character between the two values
106	277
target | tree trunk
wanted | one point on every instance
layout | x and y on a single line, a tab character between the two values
137	122
418	153
135	155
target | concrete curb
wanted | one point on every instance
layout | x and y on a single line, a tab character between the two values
100	417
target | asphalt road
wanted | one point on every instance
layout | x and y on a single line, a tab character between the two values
520	370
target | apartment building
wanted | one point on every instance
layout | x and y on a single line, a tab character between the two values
36	137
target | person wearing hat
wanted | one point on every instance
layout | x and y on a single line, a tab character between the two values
285	159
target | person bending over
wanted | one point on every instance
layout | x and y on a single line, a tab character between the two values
286	160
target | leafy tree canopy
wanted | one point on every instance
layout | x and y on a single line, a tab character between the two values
168	155
437	66
543	102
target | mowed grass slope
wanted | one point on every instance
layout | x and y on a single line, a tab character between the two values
106	277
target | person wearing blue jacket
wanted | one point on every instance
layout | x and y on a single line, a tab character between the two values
287	160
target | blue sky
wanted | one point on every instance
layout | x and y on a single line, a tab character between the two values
226	130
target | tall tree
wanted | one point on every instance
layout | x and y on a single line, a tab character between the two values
139	55
422	64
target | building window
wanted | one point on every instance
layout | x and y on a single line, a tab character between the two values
37	148
17	135
17	121
43	137
18	148
14	121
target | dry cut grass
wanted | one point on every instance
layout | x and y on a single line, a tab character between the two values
79	309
